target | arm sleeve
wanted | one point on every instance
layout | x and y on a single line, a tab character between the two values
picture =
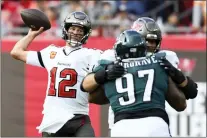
41	58
33	58
46	56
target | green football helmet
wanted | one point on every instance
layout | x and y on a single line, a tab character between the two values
130	44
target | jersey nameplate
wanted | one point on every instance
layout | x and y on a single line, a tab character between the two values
142	62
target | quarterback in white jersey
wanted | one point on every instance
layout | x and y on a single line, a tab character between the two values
66	106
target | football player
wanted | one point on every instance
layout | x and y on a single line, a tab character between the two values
149	30
136	89
66	107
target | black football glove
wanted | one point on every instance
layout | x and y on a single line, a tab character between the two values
190	90
177	76
110	72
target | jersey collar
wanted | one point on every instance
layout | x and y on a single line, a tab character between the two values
67	49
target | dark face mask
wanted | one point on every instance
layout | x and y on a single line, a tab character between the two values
151	46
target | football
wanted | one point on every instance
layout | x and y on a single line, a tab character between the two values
35	19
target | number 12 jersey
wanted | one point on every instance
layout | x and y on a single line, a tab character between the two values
66	67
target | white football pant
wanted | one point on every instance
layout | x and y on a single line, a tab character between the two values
142	127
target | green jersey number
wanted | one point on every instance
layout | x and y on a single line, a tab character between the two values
130	89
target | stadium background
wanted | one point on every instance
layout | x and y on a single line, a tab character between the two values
23	86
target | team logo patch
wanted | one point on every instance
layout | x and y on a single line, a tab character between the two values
52	54
137	26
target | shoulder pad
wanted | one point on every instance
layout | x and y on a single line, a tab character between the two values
108	55
159	55
52	46
93	50
171	56
168	52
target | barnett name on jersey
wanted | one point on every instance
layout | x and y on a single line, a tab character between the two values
110	55
66	67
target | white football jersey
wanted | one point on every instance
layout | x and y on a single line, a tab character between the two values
110	55
171	57
66	67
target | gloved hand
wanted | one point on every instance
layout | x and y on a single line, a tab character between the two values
177	76
110	72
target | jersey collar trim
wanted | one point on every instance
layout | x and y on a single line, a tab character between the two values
68	50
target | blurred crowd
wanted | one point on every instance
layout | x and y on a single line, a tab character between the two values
108	17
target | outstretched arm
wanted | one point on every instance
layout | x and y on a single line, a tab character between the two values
19	51
93	83
103	74
96	91
89	83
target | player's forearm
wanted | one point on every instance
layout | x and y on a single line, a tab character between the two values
98	96
23	43
89	83
19	49
175	97
181	102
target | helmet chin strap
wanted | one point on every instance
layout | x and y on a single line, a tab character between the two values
73	43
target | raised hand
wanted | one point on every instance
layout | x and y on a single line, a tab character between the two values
35	33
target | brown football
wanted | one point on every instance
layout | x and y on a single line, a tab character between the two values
35	19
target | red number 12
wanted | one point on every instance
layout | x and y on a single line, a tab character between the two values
71	93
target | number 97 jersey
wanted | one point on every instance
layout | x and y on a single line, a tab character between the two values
142	88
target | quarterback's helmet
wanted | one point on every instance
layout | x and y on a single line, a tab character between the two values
76	19
130	44
149	29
